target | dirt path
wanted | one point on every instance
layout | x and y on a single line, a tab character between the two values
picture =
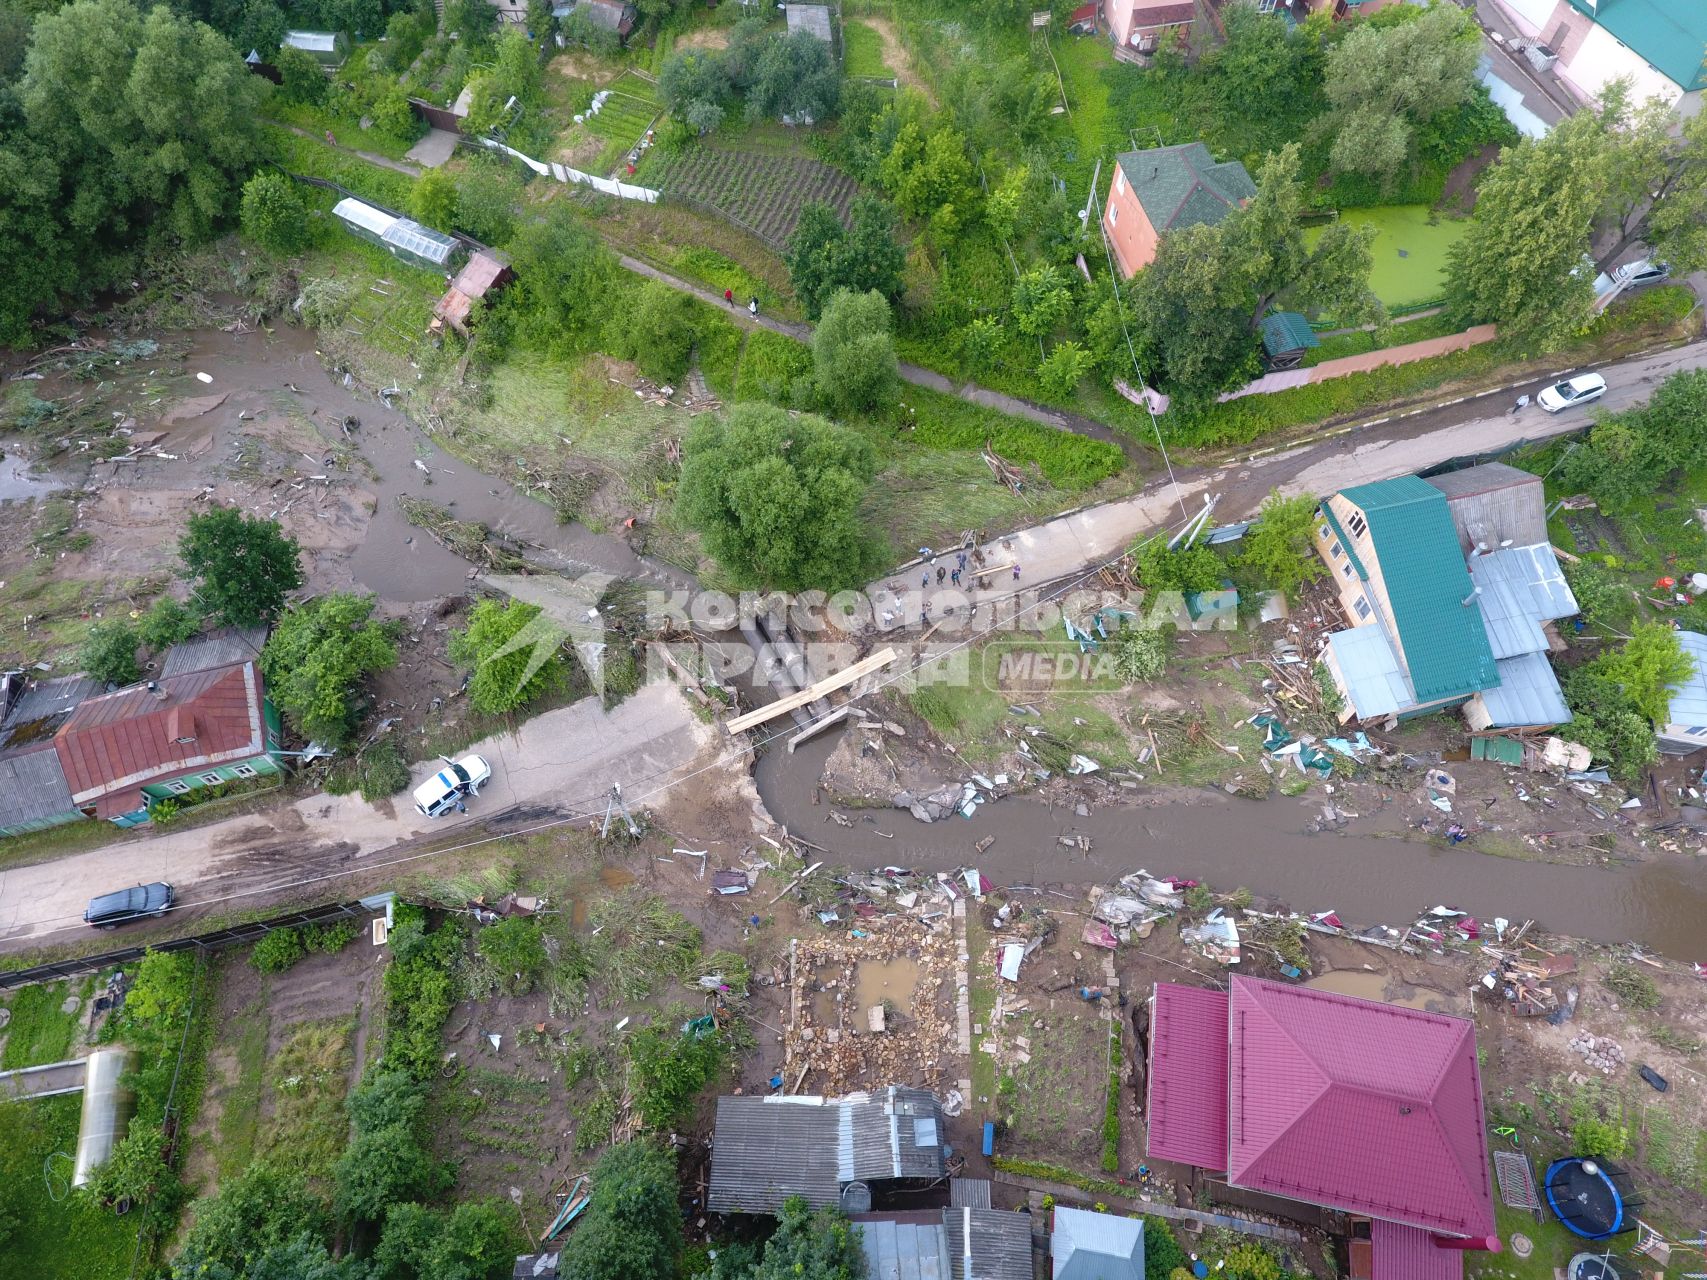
897	56
372	157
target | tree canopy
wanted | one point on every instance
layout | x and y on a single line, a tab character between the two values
1385	81
823	256
317	656
631	1229
1279	552
130	129
516	654
1653	168
1522	263
109	653
776	498
242	566
1628	455
853	351
1197	306
564	275
811	1246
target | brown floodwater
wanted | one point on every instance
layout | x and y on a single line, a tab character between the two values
1263	845
395	560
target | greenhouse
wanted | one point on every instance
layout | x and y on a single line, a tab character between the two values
327	47
401	237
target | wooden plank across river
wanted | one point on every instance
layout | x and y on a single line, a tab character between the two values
864	667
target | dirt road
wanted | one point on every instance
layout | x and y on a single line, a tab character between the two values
245	861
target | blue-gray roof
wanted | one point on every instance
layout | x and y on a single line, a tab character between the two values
223	648
1375	683
43	706
1520	588
1284	331
1689	699
1097	1246
1000	1243
33	789
904	1250
1528	694
766	1149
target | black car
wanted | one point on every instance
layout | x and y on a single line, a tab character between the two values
113	909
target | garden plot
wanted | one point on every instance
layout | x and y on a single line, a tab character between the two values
762	194
873	1006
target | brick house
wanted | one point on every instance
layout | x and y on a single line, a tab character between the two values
1163	188
1140	24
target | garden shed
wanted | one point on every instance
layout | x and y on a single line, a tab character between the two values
811	18
1286	336
329	48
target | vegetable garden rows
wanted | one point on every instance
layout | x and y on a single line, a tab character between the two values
763	193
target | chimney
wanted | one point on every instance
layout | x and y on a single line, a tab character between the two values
181	726
156	690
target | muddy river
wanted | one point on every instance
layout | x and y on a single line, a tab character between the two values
1226	841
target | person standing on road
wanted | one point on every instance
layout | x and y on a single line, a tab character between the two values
925	580
753	306
1016	572
955	577
729	296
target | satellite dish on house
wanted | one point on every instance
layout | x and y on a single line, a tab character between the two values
856	1198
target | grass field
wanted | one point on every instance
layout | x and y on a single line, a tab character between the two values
59	1233
862	51
39	1032
1410	251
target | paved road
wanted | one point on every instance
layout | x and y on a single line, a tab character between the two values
1387	446
560	762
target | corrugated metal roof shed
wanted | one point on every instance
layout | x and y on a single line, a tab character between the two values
1492	504
1520	588
766	1149
1689	700
1000	1243
1358	1105
1284	331
43	706
1528	693
1187	1099
1096	1246
813	18
222	648
904	1250
1375	683
1405	1253
1445	645
33	788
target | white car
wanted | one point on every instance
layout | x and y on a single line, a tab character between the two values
1632	275
1572	392
443	792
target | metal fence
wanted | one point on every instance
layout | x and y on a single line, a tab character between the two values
237	933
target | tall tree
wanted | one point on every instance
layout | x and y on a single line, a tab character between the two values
243	567
853	351
563	278
796	79
1197	306
1384	81
317	656
1655	175
632	1229
823	257
776	498
694	85
1521	262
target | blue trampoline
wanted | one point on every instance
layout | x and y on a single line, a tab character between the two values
1593	1199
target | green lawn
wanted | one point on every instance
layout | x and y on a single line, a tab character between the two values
1410	252
862	52
60	1233
38	1032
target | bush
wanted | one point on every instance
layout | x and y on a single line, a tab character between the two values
278	951
1061	370
506	678
109	653
420	989
324	939
1189	569
316	658
1141	654
1251	1262
167	622
300	76
1162	1252
853	351
1602	1139
161	991
381	772
255	1211
516	949
273	215
671	1070
657	331
1633	987
486	201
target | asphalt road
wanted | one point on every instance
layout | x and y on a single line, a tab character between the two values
558	763
1376	449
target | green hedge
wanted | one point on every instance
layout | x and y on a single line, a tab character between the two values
313	159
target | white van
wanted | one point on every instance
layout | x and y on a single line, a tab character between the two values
441	793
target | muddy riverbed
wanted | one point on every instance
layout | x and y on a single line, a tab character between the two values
1264	845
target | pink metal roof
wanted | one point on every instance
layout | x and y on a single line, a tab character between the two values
1358	1105
1408	1253
1187	1102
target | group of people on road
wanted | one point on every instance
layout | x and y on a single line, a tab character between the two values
752	303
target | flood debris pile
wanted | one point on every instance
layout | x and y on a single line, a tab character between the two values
875	1002
1524	974
469	539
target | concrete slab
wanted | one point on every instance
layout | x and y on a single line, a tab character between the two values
434	149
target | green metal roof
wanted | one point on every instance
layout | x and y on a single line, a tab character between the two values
1440	628
1670	34
1284	331
1183	186
1345	542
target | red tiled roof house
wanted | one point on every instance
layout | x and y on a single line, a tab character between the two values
1368	1108
124	751
1140	24
1163	188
